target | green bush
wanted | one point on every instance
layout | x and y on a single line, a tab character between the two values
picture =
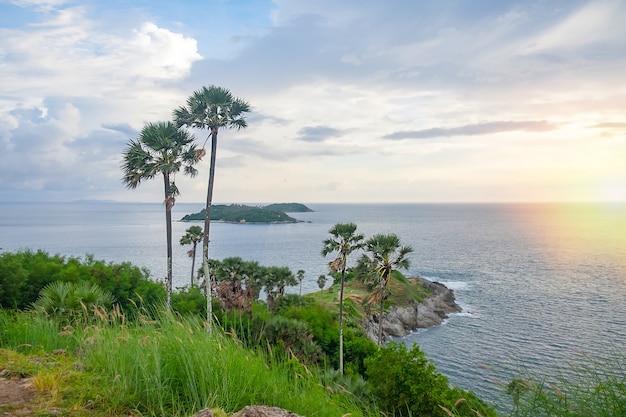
24	274
71	302
405	383
189	301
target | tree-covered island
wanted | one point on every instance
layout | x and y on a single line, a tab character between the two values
240	213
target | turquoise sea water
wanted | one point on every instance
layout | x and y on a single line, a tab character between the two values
539	283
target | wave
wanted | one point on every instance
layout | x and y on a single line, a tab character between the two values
457	285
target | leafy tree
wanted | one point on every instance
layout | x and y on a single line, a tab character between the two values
211	108
385	254
161	149
192	236
344	241
405	383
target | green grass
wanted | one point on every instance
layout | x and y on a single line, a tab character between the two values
588	387
170	366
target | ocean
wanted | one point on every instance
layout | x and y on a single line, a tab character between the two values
540	284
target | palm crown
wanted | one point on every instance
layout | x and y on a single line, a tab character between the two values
161	148
211	108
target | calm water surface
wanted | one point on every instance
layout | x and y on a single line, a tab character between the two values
538	283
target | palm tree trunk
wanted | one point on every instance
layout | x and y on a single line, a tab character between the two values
343	274
168	228
207	225
380	315
193	263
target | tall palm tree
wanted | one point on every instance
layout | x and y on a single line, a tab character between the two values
211	108
344	241
385	254
161	148
192	236
300	277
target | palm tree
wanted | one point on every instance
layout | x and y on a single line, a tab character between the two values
321	281
72	301
343	241
385	255
192	236
300	277
161	148
211	108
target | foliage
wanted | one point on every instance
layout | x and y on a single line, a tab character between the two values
405	383
72	301
189	301
590	387
239	213
24	274
169	366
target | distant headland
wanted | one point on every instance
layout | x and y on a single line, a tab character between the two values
240	213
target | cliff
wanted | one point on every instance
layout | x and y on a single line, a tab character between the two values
400	321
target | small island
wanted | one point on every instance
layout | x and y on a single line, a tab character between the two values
240	213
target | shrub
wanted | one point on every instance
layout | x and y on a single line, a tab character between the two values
405	383
24	274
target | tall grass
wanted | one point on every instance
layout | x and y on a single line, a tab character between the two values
172	366
29	332
589	387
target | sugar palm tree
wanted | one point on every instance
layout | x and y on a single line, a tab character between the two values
300	277
344	241
384	255
192	236
211	108
161	149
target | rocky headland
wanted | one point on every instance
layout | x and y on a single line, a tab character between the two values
400	321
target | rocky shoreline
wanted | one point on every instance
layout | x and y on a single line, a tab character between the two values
401	321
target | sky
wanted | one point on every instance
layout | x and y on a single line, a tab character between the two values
351	100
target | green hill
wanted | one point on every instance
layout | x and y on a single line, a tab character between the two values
239	213
289	207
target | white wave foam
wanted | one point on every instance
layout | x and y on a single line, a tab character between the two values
456	285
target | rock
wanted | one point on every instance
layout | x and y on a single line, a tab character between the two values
263	411
249	411
400	321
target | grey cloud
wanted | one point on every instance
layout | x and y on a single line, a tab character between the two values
124	128
256	117
317	133
474	130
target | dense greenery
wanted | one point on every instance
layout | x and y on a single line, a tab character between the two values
169	366
292	334
289	207
405	383
24	274
239	213
145	358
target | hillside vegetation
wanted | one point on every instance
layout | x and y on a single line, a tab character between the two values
239	213
74	353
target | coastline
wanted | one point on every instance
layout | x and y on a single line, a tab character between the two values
401	321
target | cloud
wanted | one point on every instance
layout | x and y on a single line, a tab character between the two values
487	128
326	81
317	133
609	125
124	128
